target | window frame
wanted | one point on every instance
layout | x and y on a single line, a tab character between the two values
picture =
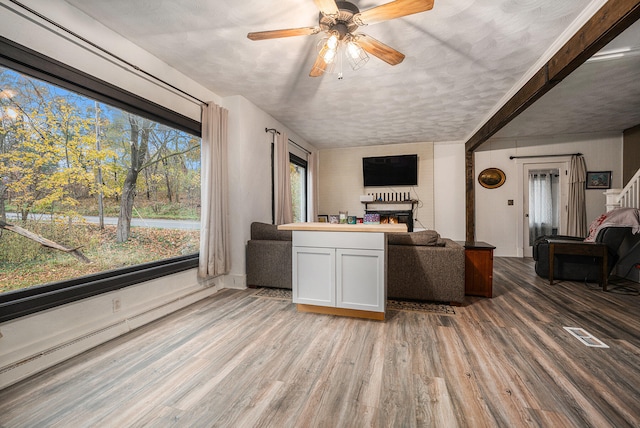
19	303
297	160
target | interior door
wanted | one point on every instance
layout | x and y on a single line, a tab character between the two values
560	198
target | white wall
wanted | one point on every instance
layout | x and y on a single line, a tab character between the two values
496	221
249	175
341	183
449	190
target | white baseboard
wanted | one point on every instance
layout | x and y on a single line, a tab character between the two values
236	281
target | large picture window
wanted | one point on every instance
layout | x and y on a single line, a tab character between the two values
89	191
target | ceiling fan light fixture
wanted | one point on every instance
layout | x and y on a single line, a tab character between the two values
356	56
328	49
326	59
340	20
332	42
329	56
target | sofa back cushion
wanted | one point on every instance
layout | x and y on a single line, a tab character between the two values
429	238
269	232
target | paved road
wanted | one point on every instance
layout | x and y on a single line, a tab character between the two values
135	222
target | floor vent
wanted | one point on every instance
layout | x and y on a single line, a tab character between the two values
585	337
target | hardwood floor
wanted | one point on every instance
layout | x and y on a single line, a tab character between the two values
241	361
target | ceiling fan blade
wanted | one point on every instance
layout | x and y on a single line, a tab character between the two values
327	7
318	67
290	32
380	50
392	10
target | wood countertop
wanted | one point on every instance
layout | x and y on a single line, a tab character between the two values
332	227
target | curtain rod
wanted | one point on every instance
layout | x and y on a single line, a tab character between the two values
103	50
275	131
300	147
544	156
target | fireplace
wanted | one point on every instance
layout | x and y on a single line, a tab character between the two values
395	216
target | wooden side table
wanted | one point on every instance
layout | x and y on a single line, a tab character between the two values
478	271
579	248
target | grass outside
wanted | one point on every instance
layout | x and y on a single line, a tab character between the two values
25	263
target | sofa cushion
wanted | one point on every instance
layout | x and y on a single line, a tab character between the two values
429	238
269	232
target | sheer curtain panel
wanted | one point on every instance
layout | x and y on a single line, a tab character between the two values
284	206
540	205
214	224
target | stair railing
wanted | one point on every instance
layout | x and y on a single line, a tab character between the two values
629	197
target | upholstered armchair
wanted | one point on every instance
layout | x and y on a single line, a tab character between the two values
576	267
609	229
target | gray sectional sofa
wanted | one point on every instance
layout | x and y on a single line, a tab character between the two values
423	266
420	266
269	256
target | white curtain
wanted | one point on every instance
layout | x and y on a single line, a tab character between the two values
214	224
312	174
284	206
577	211
540	205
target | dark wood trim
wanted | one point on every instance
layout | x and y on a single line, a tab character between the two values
470	197
632	129
606	24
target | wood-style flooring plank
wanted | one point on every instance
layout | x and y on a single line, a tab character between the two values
238	360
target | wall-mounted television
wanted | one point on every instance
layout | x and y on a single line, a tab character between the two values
399	170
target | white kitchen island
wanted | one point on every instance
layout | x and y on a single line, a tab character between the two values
340	269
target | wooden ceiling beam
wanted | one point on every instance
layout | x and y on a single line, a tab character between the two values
609	22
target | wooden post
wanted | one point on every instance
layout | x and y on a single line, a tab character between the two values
470	197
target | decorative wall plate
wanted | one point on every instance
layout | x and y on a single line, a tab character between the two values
491	178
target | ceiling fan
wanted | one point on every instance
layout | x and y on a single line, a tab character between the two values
339	20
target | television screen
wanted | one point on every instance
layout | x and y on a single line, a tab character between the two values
390	170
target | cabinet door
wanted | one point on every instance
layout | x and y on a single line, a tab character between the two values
479	272
360	282
314	273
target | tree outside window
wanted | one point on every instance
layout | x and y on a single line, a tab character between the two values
120	188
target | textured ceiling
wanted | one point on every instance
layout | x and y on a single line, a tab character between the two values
462	57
